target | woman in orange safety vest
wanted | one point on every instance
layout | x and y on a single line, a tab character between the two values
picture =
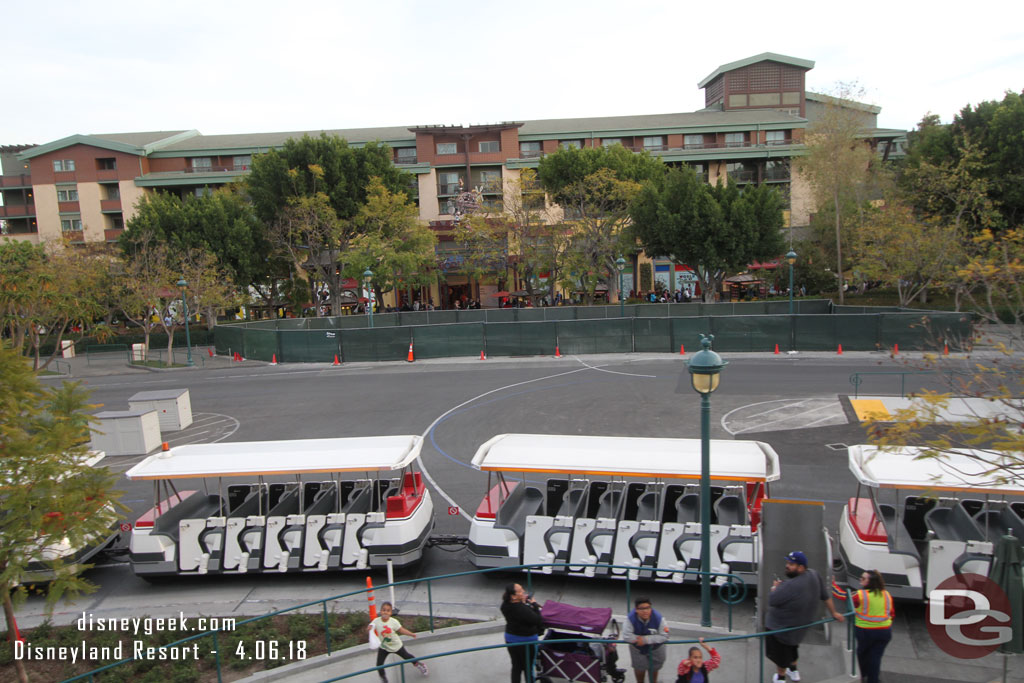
873	623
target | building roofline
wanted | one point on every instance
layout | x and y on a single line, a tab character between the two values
763	57
849	104
105	143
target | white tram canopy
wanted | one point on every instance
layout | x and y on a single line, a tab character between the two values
300	456
910	467
627	457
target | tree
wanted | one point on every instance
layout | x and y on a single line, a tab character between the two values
837	165
595	186
896	248
209	286
49	495
714	230
148	279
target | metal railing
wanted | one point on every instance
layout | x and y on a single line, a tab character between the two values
179	357
857	378
731	591
93	349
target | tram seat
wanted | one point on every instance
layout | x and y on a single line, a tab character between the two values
688	508
521	503
237	494
609	505
647	508
251	506
899	538
999	522
287	504
571	503
359	501
952	524
730	510
196	506
914	510
325	501
973	506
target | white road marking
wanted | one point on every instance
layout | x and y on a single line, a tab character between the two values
797	420
611	372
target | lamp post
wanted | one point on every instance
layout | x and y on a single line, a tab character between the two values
791	259
620	264
705	367
188	339
368	282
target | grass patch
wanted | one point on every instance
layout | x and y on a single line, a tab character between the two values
257	646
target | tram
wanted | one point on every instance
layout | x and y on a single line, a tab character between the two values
920	520
632	502
350	503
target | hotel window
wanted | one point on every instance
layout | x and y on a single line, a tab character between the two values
608	142
107	164
448	183
529	149
60	165
67	195
113	191
490	181
70	224
202	163
693	141
447	148
490	146
568	144
406	155
775	137
655	142
204	191
242	162
735	139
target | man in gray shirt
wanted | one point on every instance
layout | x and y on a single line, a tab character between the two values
794	602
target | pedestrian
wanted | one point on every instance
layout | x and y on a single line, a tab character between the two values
873	623
794	602
646	632
694	669
523	624
388	629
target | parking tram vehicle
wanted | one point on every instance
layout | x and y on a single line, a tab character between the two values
626	501
327	522
921	520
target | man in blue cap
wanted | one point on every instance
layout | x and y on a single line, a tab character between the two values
794	602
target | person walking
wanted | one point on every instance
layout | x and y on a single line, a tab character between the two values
523	624
387	629
794	602
646	632
694	669
872	623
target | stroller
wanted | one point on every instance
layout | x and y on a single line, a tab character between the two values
583	659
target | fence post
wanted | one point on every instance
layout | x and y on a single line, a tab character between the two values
327	628
430	604
216	648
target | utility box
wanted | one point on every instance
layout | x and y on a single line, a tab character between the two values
126	432
67	348
173	407
138	352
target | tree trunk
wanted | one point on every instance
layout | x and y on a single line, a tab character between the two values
839	249
170	345
19	665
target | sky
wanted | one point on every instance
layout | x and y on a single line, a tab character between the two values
223	66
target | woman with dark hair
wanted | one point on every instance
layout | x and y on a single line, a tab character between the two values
873	621
523	624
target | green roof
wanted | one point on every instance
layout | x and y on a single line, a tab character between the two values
623	126
139	144
763	57
261	142
849	104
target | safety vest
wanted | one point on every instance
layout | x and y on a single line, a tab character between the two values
874	611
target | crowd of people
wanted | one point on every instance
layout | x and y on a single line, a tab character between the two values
793	602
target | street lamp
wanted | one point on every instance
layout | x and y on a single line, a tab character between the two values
620	264
791	259
705	367
367	281
188	339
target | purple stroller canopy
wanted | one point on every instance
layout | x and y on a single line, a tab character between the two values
586	619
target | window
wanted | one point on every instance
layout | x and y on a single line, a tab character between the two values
113	191
490	181
202	163
775	137
107	164
406	155
71	224
242	162
693	141
67	195
776	169
447	148
529	149
448	183
741	172
701	170
655	142
735	139
609	142
116	222
204	192
567	144
60	165
490	146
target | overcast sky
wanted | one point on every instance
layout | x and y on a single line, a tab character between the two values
256	66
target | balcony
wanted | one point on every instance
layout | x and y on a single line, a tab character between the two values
112	235
743	176
776	174
447	189
776	143
73	236
23	180
18	211
68	207
234	168
20	227
106	174
110	205
655	148
405	159
64	177
531	153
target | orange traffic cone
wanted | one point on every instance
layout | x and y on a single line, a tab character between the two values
274	361
776	349
210	351
483	356
370	599
682	350
895	349
945	349
410	358
840	351
558	354
336	360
